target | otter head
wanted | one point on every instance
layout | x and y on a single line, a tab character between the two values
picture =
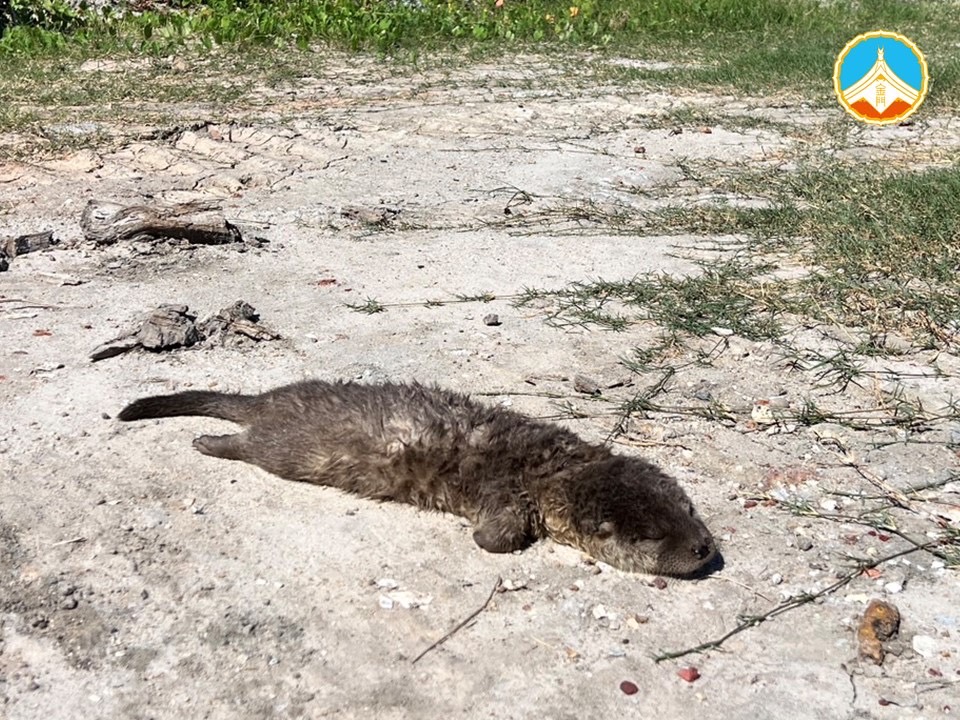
631	515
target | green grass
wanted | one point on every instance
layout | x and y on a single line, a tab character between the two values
719	297
753	46
882	249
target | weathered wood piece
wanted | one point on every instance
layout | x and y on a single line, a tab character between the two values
174	326
169	326
22	244
237	319
200	222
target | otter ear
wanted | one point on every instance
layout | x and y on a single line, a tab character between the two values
605	530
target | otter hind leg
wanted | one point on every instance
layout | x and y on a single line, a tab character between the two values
228	447
502	533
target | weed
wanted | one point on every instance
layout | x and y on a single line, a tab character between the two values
370	307
723	297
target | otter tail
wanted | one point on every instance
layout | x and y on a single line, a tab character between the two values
235	408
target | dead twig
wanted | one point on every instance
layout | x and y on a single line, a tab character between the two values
471	616
71	541
648	443
895	496
745	622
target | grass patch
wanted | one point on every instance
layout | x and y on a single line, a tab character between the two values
721	297
882	249
752	46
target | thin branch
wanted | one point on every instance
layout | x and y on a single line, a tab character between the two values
896	497
471	616
748	621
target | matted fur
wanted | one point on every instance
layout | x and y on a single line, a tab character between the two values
515	478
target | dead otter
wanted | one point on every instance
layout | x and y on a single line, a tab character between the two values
515	478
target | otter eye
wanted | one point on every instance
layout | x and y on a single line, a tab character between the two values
605	529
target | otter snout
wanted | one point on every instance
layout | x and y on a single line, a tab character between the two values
704	550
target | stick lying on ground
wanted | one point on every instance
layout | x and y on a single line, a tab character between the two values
197	222
463	624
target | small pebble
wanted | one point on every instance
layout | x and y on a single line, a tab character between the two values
893	587
896	344
509	585
586	385
492	319
629	688
776	579
924	646
804	543
703	392
69	603
659	583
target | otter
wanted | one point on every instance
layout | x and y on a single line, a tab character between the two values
515	478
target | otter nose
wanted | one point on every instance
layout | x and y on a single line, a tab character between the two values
703	549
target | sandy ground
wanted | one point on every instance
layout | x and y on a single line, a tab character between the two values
139	579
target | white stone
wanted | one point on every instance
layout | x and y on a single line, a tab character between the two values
924	645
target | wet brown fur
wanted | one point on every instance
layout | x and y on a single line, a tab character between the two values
515	478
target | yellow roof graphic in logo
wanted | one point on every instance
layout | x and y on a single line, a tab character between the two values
880	77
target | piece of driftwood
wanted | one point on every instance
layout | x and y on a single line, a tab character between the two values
11	247
199	222
173	326
238	319
167	327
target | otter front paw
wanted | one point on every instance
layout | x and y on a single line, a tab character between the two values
502	534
